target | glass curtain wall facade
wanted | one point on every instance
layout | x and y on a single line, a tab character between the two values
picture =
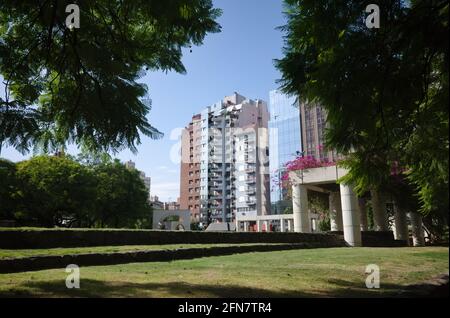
284	144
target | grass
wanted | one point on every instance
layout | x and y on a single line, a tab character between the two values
10	253
328	272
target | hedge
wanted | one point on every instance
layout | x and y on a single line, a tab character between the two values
377	239
50	238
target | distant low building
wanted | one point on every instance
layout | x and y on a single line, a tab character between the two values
156	203
160	205
172	206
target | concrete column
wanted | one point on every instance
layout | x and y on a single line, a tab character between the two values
267	226
417	229
334	201
350	216
245	226
258	226
363	214
289	225
401	224
282	225
237	224
313	225
379	211
300	209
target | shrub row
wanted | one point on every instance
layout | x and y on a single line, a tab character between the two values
51	238
377	239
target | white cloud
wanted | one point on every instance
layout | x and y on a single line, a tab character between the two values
166	169
166	191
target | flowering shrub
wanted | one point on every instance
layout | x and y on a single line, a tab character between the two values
303	163
398	172
396	169
298	164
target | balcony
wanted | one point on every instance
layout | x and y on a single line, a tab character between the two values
216	185
250	169
250	191
250	180
250	201
216	196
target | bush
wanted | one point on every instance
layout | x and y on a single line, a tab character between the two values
50	238
325	225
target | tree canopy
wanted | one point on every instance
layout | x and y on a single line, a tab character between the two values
52	188
7	188
61	191
121	195
385	90
82	85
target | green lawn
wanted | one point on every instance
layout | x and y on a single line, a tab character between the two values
9	253
326	272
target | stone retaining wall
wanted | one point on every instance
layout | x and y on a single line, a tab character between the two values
61	261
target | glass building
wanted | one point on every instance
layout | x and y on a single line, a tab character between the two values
284	145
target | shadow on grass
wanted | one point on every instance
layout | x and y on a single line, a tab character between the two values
95	288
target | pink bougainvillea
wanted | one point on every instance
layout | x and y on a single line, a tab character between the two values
396	169
398	172
301	163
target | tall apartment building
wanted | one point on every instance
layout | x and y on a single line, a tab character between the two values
230	144
285	145
313	124
190	168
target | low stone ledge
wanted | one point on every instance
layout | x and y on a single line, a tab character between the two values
48	262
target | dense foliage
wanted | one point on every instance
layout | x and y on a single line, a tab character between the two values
60	191
385	91
81	85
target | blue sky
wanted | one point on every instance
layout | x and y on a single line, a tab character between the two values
240	59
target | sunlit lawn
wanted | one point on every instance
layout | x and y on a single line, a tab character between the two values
11	253
330	272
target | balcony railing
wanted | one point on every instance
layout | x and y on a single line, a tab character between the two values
250	180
